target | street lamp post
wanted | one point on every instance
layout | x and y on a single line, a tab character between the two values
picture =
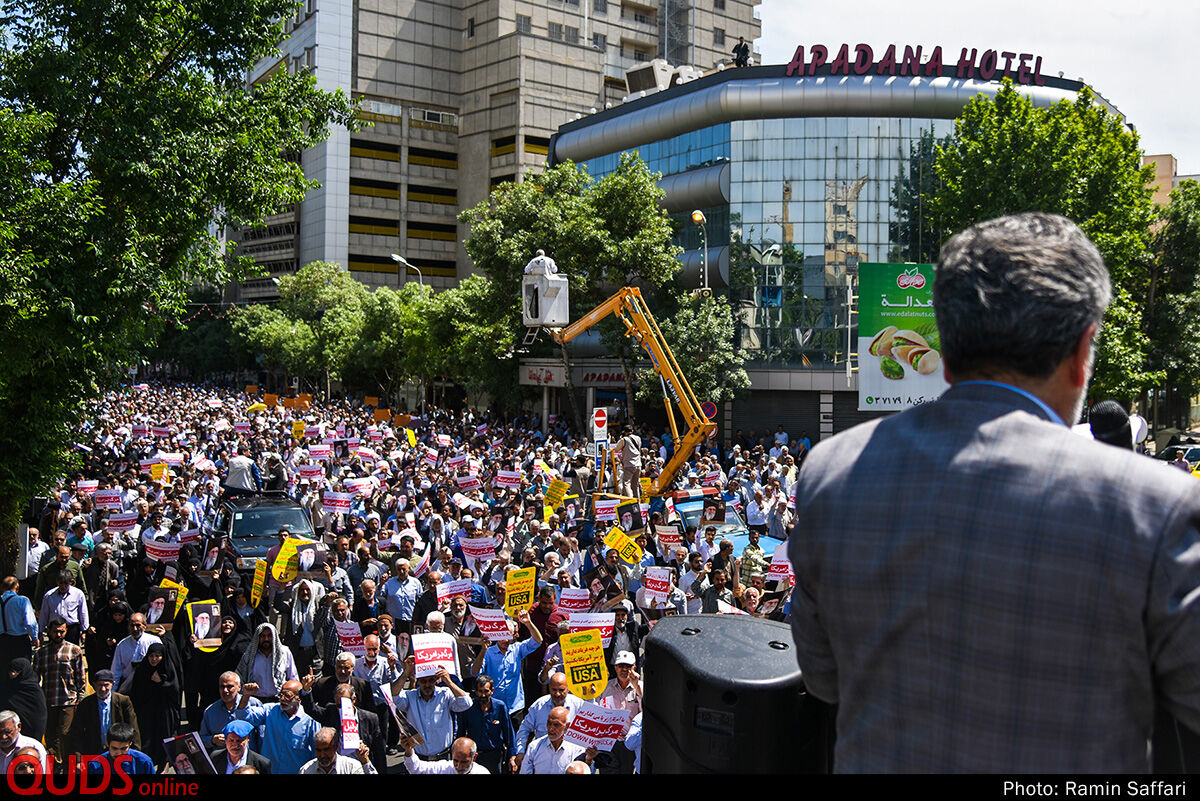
396	257
699	219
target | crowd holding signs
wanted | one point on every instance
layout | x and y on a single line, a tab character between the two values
452	560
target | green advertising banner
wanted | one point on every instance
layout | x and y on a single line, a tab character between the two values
899	352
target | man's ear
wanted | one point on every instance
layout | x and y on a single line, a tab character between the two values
1081	358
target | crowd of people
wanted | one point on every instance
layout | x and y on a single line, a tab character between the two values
309	665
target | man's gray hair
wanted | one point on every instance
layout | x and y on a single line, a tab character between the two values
345	656
435	617
8	715
1016	294
230	674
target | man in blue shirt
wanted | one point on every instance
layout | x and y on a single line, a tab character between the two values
120	744
502	662
288	740
401	593
222	711
487	723
20	628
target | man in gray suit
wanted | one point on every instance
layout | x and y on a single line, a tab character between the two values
978	588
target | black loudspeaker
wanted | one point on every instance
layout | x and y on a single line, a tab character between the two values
723	694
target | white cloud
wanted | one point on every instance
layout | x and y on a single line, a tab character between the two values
1141	59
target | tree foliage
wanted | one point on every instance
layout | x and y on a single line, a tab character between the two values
126	132
1172	291
700	334
1076	159
602	235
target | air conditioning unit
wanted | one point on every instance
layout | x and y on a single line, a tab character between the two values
683	74
653	76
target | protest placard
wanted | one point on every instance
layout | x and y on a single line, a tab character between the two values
657	583
354	486
107	499
204	617
601	621
556	492
160	431
509	479
492	623
710	478
606	509
271	400
449	589
162	551
597	727
519	590
443	440
478	549
468	483
312	472
173	459
434	652
627	549
86	487
349	721
287	563
241	427
260	581
350	636
583	663
336	502
140	430
781	568
122	521
669	539
320	453
455	462
574	599
160	473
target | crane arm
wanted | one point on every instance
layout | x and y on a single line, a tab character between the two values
640	326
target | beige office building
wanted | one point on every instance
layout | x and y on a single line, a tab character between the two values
458	97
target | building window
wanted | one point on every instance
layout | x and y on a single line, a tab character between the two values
572	35
470	27
572	2
504	145
524	23
718	37
599	41
718	5
310	57
555	31
600	6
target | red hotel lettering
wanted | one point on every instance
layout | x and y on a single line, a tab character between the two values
861	61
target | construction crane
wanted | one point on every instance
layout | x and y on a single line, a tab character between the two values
540	284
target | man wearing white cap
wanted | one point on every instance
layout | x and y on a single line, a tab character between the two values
622	692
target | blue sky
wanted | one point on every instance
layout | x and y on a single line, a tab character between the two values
1141	59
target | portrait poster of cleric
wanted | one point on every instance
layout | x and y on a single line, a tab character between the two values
188	756
980	589
205	619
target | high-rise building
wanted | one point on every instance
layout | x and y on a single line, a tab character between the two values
458	96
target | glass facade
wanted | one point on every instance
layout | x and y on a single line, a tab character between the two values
810	199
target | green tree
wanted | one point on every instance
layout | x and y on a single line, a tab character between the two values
1076	159
601	234
126	132
397	342
1172	291
700	334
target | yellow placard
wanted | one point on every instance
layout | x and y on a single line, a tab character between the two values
271	400
181	592
547	511
412	437
159	472
287	561
628	550
252	389
555	492
381	414
519	588
371	400
583	662
645	482
260	581
191	615
298	429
